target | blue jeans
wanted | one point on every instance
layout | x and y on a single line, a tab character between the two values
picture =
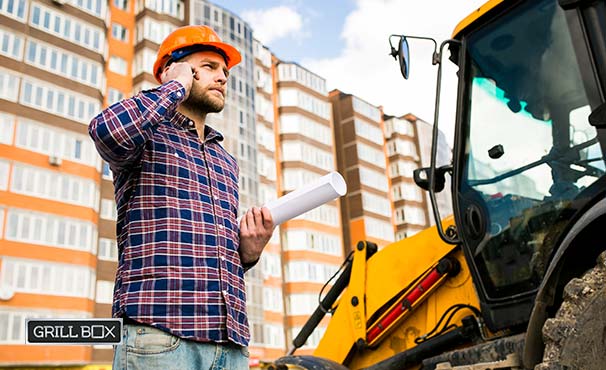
147	348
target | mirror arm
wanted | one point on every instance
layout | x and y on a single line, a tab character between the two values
437	58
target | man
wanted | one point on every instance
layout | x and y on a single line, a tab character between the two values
182	255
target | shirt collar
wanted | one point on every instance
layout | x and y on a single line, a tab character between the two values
183	122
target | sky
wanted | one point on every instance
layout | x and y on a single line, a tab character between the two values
346	42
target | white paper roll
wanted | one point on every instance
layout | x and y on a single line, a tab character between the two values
295	203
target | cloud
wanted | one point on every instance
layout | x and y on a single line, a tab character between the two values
274	23
365	69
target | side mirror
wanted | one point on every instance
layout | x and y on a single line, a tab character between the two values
404	57
421	177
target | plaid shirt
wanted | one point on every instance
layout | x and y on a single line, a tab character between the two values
179	268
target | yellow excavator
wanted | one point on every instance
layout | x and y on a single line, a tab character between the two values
516	278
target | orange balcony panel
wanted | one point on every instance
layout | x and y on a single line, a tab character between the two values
304	287
41	355
273	282
49	302
304	224
307	255
300	320
272	317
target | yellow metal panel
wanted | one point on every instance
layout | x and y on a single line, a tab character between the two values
389	272
474	16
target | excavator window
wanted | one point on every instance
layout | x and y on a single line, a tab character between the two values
530	151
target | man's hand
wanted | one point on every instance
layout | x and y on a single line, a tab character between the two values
182	72
256	228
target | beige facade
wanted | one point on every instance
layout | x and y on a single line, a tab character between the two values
366	210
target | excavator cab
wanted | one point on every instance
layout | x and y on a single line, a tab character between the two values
527	161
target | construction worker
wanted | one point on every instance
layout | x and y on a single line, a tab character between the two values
182	254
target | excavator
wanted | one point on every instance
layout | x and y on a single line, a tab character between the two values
516	277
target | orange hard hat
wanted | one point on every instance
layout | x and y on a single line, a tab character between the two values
187	36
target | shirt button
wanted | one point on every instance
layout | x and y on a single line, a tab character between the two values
221	227
222	258
178	94
225	293
191	123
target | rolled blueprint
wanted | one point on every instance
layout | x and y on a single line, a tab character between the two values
310	196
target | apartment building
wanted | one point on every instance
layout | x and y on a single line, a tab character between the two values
52	81
265	298
366	209
311	243
411	212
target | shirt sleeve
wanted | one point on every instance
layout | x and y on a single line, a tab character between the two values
121	130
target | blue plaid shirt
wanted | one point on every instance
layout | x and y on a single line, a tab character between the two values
179	268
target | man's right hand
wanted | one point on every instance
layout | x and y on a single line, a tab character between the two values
182	72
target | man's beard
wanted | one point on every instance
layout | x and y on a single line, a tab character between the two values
199	100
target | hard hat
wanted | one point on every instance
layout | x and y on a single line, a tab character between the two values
187	36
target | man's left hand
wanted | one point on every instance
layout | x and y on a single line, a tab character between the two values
256	228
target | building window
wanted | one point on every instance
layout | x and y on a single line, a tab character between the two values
11	45
29	276
34	93
114	95
366	109
14	9
371	155
60	25
50	230
107	172
108	250
119	32
108	209
299	124
376	204
369	131
8	85
121	4
94	7
49	140
4	170
6	128
38	182
310	240
379	229
56	60
104	292
303	152
118	65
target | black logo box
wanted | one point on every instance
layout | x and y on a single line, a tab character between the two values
73	331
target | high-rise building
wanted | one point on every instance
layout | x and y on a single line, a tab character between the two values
366	209
266	301
312	246
409	203
52	81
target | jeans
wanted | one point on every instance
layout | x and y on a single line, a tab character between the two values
147	348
